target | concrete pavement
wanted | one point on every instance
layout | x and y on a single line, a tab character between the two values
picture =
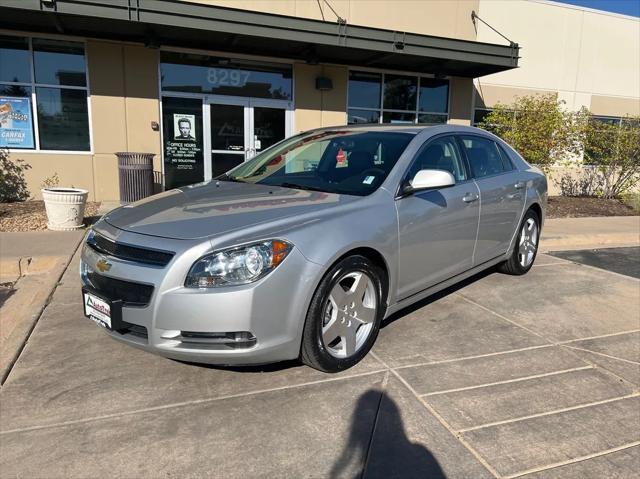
588	233
31	264
535	376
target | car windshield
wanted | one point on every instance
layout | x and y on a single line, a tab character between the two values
341	161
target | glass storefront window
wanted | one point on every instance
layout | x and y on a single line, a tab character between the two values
363	116
59	63
364	90
15	65
398	117
63	122
55	90
405	99
400	92
432	119
434	95
191	73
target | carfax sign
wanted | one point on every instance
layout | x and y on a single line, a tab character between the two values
16	128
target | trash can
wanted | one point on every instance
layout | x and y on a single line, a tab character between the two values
135	171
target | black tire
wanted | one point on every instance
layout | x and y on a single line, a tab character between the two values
313	351
512	265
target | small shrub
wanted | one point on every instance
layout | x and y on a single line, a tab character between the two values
584	182
50	181
13	185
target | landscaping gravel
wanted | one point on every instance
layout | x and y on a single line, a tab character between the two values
31	215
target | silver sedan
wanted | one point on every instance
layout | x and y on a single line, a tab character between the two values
303	251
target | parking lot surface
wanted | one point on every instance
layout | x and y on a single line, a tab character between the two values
621	260
535	376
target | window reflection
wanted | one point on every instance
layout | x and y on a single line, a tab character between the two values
63	122
400	92
364	89
59	63
14	60
434	95
201	74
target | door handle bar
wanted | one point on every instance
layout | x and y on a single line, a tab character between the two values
470	198
519	185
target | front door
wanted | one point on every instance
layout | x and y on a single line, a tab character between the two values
437	228
241	128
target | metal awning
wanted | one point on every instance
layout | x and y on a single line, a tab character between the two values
177	23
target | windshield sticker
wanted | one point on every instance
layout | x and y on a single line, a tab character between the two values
341	159
368	180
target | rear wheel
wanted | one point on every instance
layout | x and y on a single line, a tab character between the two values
526	249
344	316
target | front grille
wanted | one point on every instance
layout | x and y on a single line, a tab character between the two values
131	294
130	253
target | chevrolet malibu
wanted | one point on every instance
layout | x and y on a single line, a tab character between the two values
302	251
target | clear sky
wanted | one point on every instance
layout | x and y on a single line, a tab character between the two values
626	7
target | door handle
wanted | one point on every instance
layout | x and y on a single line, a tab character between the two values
519	185
470	198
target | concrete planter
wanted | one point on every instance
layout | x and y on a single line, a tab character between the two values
65	207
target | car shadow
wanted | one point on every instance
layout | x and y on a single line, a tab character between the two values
436	296
378	445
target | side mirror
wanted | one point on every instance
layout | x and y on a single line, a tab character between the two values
430	179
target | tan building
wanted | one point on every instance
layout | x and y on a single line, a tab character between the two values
205	85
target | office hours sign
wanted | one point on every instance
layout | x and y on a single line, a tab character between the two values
183	147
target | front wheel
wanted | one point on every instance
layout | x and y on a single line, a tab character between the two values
344	316
526	249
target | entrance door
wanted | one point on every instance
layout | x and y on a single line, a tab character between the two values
240	128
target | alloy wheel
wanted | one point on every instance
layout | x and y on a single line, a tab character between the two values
349	314
528	242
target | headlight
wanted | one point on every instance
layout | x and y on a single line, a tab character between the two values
239	265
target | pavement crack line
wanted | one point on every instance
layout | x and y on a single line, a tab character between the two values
440	419
383	389
574	461
602	354
602	336
183	404
508	381
476	356
47	301
548	413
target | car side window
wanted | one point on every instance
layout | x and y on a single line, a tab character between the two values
439	154
484	156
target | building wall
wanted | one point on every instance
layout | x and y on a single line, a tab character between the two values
589	58
445	18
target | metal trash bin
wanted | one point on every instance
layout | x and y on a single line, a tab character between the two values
135	171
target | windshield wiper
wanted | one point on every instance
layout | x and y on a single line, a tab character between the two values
300	187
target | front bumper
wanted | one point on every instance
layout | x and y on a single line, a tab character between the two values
256	323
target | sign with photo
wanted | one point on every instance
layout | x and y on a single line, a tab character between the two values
16	128
183	127
183	149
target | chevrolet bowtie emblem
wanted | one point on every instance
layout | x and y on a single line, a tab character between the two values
103	265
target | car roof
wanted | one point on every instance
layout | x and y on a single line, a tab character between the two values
411	129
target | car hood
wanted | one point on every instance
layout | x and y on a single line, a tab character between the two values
215	208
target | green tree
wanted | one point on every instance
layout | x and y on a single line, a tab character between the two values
614	149
539	128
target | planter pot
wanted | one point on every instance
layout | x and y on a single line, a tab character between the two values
65	207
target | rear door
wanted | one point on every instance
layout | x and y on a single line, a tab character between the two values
437	228
502	195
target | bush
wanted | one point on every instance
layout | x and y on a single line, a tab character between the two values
583	181
614	150
539	128
13	186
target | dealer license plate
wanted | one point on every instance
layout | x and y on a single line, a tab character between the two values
98	310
